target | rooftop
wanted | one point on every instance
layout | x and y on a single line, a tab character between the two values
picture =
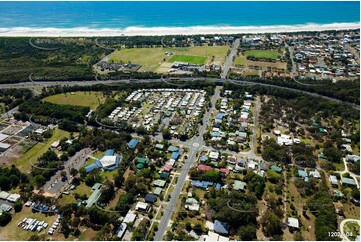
293	222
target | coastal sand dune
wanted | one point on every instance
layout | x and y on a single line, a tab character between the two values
131	31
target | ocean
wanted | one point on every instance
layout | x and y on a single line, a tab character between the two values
121	16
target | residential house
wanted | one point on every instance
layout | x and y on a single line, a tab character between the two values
214	155
264	166
239	185
133	143
202	184
333	180
157	191
224	171
121	230
142	207
302	173
348	181
276	168
150	198
159	183
202	167
159	146
173	148
293	222
315	174
220	228
192	204
130	217
252	165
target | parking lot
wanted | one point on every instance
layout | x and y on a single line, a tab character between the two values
55	184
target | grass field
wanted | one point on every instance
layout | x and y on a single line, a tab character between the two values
36	151
85	99
267	54
197	60
13	232
151	58
81	189
240	61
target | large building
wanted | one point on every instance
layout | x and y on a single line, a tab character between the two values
108	162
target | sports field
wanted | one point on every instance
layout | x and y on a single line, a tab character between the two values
151	58
197	60
266	54
86	99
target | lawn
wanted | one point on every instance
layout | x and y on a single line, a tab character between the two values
81	189
151	58
108	175
266	54
36	151
197	60
85	99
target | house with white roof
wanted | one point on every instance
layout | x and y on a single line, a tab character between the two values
293	222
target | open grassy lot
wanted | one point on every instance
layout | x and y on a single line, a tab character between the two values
197	60
264	65
240	61
36	151
86	99
151	58
148	58
267	54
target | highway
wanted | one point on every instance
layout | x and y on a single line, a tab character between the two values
110	82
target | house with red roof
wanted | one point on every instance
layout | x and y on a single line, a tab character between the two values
202	167
224	170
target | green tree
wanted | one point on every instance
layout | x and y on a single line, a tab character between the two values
5	218
271	224
248	232
18	206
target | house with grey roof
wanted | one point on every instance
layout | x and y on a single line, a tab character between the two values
348	181
239	185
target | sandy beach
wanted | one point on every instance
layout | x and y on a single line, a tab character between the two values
132	31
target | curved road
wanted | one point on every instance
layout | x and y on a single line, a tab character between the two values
42	48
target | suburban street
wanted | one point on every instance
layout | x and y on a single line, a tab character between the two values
229	59
194	146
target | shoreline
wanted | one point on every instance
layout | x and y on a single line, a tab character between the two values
162	31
